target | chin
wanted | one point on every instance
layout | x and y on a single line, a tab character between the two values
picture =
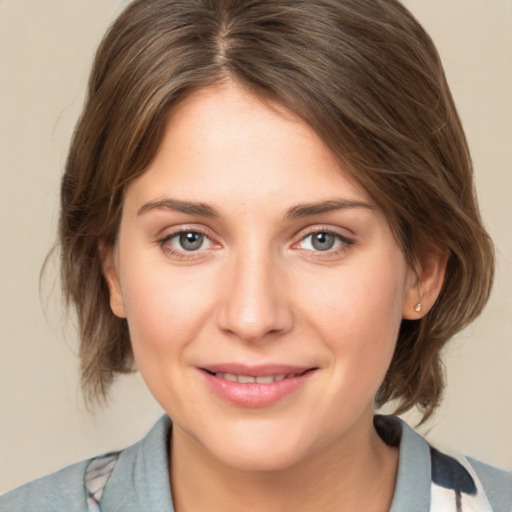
265	448
260	459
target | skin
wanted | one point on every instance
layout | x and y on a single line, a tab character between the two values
257	292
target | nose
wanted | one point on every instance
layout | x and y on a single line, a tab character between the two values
254	302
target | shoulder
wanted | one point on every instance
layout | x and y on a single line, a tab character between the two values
60	491
429	479
125	481
497	484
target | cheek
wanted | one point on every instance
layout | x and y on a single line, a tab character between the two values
356	300
163	309
358	312
164	313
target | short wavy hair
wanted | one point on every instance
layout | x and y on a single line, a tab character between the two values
362	73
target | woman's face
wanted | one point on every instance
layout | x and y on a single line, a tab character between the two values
263	288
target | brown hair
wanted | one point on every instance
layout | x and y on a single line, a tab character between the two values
367	79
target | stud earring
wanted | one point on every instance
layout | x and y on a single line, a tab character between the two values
418	307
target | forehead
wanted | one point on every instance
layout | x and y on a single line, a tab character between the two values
223	142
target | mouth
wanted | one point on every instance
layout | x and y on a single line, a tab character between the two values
252	379
253	387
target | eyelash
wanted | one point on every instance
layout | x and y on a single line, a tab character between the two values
182	254
344	243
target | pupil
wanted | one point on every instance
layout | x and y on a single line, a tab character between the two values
191	241
323	241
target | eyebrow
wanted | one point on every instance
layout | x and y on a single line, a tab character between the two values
201	209
296	212
305	210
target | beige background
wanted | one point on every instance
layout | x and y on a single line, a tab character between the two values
46	48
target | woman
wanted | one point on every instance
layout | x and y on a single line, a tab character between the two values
268	206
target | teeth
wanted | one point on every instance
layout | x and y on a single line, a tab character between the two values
244	379
265	380
247	379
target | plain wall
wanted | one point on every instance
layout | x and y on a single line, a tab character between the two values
46	47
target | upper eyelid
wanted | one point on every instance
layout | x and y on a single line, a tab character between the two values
311	230
343	240
301	234
168	233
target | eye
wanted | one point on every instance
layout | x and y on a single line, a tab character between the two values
190	240
324	241
185	244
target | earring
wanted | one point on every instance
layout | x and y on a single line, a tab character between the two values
418	307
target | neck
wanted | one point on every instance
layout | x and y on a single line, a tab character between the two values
354	473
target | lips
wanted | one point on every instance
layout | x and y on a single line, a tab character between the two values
248	379
265	370
255	386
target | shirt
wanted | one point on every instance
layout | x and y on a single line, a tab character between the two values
137	479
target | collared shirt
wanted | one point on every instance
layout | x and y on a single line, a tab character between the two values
137	479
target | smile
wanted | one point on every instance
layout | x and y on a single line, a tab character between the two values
247	379
255	387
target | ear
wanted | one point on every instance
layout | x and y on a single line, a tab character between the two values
110	272
425	284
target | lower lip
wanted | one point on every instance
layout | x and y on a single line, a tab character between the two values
255	394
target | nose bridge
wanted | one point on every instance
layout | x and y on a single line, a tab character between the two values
254	302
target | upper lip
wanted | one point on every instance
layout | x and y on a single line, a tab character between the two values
256	370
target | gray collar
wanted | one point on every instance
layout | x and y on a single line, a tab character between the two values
140	479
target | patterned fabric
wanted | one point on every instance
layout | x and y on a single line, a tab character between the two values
455	486
97	473
427	481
